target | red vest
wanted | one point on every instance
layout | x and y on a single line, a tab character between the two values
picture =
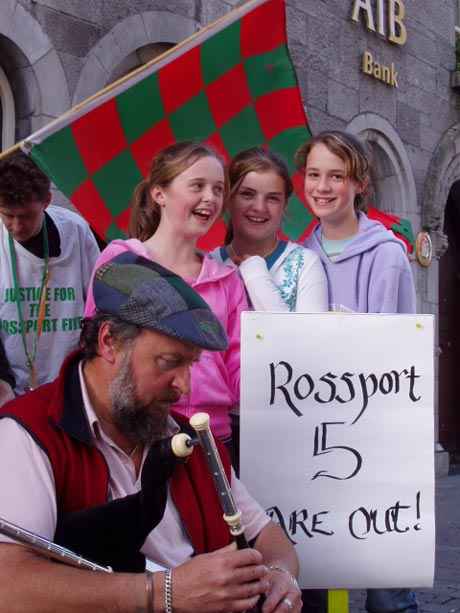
81	473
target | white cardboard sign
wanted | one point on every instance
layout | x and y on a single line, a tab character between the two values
337	442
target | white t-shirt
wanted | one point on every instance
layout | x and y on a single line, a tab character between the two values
292	278
28	490
65	297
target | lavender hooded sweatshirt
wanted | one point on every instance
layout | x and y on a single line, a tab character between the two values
371	275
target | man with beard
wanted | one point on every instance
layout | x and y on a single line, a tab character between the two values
81	451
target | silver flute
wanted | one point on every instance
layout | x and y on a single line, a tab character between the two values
47	548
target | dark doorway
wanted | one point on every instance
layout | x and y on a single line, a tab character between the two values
449	329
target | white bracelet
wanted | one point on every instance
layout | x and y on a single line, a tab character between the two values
168	590
292	579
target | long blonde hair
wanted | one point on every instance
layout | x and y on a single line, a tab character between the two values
166	166
350	150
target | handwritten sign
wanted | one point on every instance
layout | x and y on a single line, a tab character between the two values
337	442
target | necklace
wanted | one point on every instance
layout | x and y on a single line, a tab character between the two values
264	254
32	354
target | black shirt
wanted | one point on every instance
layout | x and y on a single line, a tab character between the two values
6	374
35	244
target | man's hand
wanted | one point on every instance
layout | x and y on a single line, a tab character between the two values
6	392
284	594
280	557
219	582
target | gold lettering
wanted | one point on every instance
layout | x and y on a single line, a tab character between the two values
386	75
380	18
396	14
394	76
368	62
377	71
367	8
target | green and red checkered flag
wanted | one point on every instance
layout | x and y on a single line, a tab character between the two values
231	84
402	228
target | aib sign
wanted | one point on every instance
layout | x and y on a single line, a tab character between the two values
387	20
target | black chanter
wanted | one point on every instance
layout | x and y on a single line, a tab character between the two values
231	513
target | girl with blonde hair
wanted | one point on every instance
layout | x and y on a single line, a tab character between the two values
172	208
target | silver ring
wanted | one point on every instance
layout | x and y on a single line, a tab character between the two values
288	603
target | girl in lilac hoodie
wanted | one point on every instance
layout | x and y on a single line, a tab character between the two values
172	208
366	265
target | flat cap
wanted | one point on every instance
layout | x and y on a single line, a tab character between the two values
143	293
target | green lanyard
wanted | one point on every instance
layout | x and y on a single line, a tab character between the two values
31	355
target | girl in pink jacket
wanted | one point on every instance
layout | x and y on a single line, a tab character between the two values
172	208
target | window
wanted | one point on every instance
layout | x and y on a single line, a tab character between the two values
7	112
138	58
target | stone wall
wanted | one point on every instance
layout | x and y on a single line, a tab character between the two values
57	52
75	47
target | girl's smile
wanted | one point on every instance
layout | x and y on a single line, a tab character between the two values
257	207
194	199
329	191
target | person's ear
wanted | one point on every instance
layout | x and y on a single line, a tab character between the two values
157	195
363	186
107	348
47	201
285	214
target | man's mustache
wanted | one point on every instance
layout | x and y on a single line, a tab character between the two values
172	397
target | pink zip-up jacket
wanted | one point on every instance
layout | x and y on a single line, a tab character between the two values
215	379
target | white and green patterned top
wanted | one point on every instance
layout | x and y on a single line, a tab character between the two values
289	279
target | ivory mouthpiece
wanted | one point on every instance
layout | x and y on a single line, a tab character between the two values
199	421
180	445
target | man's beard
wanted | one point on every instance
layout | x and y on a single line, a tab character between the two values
139	423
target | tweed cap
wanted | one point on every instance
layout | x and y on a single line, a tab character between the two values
148	295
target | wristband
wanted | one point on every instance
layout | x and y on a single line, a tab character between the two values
149	591
292	579
168	590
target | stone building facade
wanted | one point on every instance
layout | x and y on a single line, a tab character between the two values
56	53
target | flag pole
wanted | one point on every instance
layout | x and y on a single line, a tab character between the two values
338	601
11	150
243	8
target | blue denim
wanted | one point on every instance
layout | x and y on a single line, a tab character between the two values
391	601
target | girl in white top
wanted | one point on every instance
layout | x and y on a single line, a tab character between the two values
278	275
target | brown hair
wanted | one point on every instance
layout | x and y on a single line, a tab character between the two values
166	166
350	150
122	333
255	159
22	181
